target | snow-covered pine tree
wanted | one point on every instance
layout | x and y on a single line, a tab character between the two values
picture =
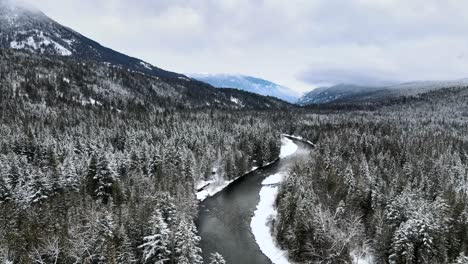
349	179
216	258
186	244
101	178
125	254
70	180
13	176
156	248
37	188
5	194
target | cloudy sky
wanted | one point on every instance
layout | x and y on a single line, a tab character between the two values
297	43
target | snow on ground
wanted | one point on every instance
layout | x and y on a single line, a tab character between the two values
146	65
273	179
213	187
91	101
260	222
299	138
235	100
266	210
365	258
287	147
43	41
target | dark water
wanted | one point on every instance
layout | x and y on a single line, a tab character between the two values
224	219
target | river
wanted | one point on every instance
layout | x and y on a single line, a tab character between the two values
224	219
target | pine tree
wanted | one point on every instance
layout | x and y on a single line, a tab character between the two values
14	176
37	188
166	206
53	172
156	246
70	179
349	179
91	175
105	250
125	251
186	244
101	178
462	259
216	258
5	194
189	172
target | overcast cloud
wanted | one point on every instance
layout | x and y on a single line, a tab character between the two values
297	43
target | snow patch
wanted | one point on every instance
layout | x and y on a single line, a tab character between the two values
266	210
61	50
299	138
362	258
91	101
146	65
212	189
273	179
40	44
287	147
235	100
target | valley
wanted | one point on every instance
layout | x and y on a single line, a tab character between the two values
108	159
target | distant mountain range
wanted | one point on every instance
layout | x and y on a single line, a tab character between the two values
40	39
250	84
347	93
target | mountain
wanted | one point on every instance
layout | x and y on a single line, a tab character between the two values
323	95
250	84
28	29
345	93
51	80
51	55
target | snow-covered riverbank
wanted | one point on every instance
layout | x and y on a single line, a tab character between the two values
212	187
299	138
266	210
260	224
287	147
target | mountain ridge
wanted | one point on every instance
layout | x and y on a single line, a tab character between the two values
248	83
41	79
30	40
29	29
349	93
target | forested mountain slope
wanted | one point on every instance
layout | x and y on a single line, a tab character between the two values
354	94
323	95
25	28
384	186
100	71
53	80
87	183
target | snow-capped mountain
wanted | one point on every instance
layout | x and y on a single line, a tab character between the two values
345	93
32	42
250	84
26	28
38	79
